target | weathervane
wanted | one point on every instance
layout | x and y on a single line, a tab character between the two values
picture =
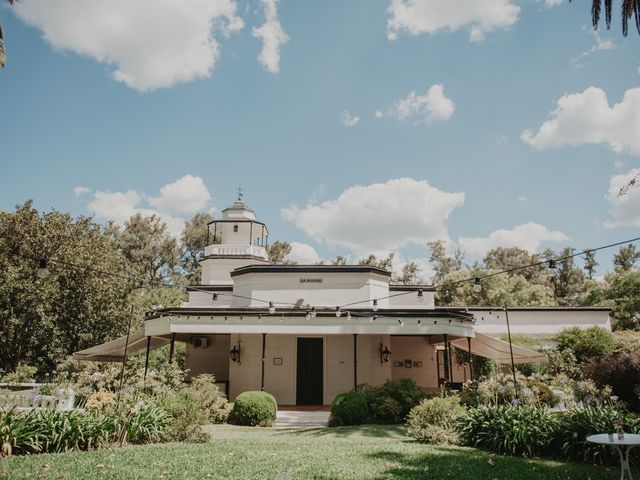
240	194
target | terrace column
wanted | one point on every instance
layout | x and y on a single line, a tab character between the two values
355	360
264	343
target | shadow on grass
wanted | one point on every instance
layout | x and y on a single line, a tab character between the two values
463	464
396	432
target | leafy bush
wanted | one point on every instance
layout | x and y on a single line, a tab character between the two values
101	401
186	416
391	402
593	342
210	398
575	425
621	372
254	409
18	434
146	423
504	429
22	374
433	420
349	408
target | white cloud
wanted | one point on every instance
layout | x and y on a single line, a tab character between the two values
303	254
528	236
272	35
619	164
415	17
379	217
553	3
586	117
625	209
349	120
378	114
432	107
151	43
120	206
79	191
523	199
186	195
600	45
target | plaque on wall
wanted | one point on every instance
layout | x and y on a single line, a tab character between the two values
417	364
408	364
398	364
277	360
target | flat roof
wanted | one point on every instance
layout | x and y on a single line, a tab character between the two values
555	308
309	269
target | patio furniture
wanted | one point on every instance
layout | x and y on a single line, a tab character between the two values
623	446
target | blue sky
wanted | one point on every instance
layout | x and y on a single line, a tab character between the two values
130	101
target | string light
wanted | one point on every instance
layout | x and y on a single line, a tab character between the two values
214	299
348	316
313	312
477	286
551	269
338	312
272	308
420	296
226	319
308	316
375	304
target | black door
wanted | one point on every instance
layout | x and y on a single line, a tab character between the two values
309	372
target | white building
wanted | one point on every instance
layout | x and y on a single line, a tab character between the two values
308	332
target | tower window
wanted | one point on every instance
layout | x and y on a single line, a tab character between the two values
235	228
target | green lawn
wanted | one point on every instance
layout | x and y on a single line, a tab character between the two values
367	452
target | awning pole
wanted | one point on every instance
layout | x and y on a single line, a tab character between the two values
470	359
355	361
172	347
124	356
146	358
513	363
450	363
264	343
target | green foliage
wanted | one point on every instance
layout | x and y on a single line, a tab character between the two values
593	342
392	401
623	291
575	425
373	261
210	398
349	408
621	372
409	275
192	243
42	321
626	258
186	416
504	429
278	252
22	374
254	409
434	420
147	423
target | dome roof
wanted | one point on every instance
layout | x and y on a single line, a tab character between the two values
238	210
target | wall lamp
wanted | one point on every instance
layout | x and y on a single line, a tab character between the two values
385	354
234	354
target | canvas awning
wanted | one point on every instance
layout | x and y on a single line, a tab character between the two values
113	351
498	350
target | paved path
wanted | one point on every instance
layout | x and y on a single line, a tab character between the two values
298	419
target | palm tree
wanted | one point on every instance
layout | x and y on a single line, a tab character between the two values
628	9
3	56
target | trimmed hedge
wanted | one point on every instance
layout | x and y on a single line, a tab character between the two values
254	409
349	408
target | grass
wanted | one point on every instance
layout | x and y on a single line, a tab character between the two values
366	452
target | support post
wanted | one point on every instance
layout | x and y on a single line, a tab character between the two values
146	358
513	363
124	356
172	346
450	363
355	360
470	359
446	360
264	344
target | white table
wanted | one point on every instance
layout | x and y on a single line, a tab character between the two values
623	447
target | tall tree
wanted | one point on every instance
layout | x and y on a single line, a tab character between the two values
628	9
3	55
77	306
193	241
148	248
409	275
624	292
373	261
590	263
278	252
626	258
339	260
569	279
442	263
507	258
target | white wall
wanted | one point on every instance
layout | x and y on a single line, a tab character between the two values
415	349
410	300
212	359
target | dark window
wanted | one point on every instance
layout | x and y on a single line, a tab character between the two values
235	228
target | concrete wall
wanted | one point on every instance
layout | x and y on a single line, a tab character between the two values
408	351
212	359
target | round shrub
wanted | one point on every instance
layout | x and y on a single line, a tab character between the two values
433	420
593	342
254	409
349	408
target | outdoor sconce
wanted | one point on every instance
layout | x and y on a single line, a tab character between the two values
43	268
385	354
235	353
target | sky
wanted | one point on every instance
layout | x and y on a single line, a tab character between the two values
355	127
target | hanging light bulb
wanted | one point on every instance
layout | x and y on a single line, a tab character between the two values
272	309
348	316
214	300
43	268
420	296
308	317
375	305
338	312
401	323
313	312
551	269
226	319
419	322
477	286
370	319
